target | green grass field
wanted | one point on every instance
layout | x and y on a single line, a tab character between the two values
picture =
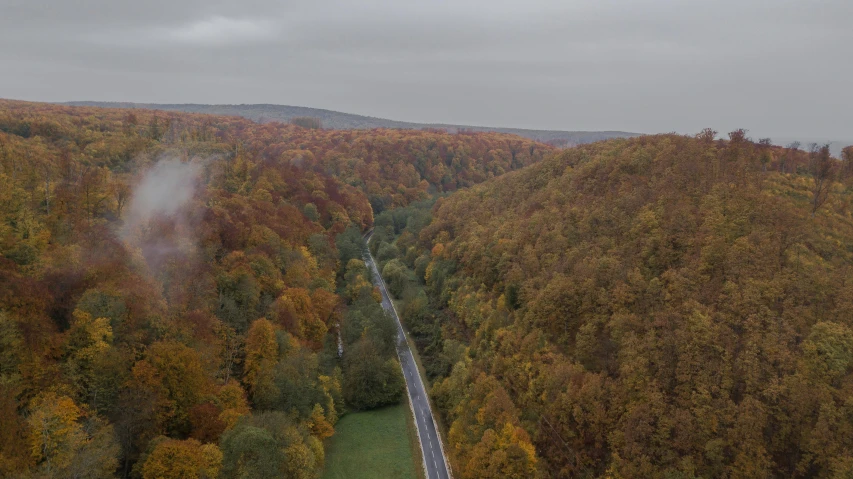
372	444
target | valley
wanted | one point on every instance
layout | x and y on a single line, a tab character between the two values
230	297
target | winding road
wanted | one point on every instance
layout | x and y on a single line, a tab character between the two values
435	462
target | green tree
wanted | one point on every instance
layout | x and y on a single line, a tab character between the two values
829	350
369	380
349	244
397	276
249	451
310	211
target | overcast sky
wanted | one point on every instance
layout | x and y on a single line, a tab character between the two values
779	68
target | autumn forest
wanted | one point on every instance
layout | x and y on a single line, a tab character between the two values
185	295
173	287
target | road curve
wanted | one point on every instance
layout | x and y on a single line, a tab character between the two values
432	450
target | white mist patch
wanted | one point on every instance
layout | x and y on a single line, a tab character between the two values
164	190
159	216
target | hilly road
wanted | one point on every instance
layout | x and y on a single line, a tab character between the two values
432	450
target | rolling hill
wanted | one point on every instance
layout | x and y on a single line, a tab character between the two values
663	307
347	121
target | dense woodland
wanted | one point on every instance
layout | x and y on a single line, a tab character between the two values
173	286
660	307
174	290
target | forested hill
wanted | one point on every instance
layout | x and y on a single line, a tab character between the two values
661	307
392	167
346	121
173	285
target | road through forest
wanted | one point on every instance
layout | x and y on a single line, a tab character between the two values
435	463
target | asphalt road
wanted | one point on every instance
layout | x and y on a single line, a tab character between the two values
432	450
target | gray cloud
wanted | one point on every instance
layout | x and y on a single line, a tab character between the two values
779	68
213	31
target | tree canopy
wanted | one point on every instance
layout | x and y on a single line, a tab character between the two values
166	278
665	306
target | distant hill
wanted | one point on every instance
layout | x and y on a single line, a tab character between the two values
347	121
835	146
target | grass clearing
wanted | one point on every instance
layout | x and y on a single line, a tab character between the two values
372	444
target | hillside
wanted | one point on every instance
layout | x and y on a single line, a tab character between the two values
346	121
173	286
661	307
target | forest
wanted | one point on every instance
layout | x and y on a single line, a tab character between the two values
346	121
668	306
176	289
183	295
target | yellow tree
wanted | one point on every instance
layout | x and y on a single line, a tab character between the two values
261	354
55	434
88	339
180	370
188	459
296	310
507	454
318	424
357	280
232	400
